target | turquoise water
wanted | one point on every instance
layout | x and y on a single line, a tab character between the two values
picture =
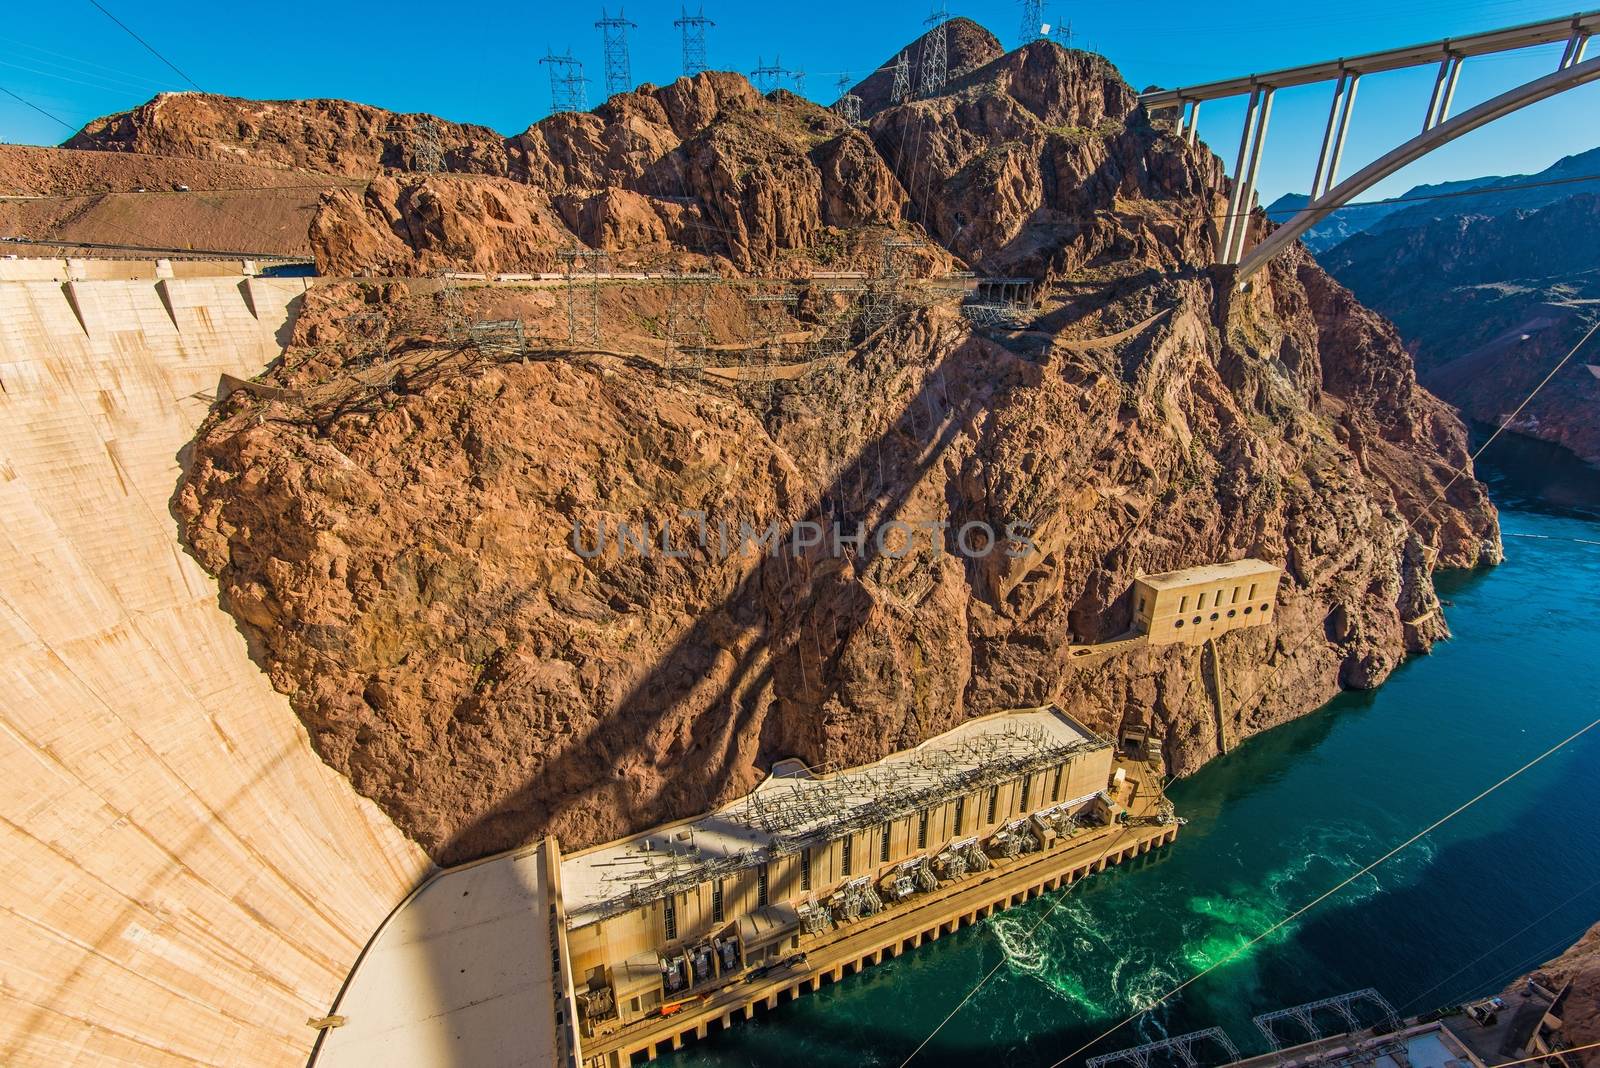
1499	889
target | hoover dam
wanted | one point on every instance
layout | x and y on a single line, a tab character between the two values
185	881
735	579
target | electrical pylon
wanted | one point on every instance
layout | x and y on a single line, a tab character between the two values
567	92
848	106
935	52
902	80
766	76
694	41
614	31
1032	21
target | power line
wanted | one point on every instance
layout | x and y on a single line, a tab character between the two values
1325	895
147	45
37	108
1512	417
1549	537
74	62
106	83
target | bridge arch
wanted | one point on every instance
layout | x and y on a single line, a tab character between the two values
1556	82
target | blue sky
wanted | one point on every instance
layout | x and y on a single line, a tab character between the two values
479	63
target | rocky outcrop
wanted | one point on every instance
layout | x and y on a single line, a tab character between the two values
1492	304
397	532
327	136
968	46
412	224
1580	1016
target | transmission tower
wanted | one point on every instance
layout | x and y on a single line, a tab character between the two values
694	41
902	80
582	267
799	79
567	83
425	141
935	52
1032	21
614	31
1064	34
767	77
848	106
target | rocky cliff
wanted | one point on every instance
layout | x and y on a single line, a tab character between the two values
407	530
1580	1018
1492	304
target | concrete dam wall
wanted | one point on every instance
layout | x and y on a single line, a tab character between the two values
182	880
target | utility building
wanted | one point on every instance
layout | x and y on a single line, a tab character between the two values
1198	603
658	920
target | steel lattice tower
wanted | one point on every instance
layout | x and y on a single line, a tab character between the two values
619	73
935	52
567	83
1032	21
902	81
848	106
694	41
766	77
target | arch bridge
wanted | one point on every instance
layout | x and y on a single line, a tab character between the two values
1438	127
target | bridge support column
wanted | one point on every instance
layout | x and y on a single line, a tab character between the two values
1327	135
1194	122
1344	128
1574	50
1444	92
1236	197
1450	88
1241	222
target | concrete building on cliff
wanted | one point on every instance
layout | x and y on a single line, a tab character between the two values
1196	603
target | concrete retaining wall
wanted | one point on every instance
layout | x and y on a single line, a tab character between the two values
182	880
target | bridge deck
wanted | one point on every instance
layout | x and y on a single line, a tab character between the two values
1549	31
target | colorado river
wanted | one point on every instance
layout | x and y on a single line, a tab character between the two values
1501	888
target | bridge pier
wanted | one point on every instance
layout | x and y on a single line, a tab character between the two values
1193	125
1444	92
1345	111
1576	46
1253	140
1235	195
1242	224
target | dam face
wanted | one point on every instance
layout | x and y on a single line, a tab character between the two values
184	880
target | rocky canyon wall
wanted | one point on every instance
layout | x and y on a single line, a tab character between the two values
393	526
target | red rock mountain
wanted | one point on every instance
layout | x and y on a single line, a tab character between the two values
395	530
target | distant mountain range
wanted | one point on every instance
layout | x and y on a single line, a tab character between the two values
1490	290
1426	203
